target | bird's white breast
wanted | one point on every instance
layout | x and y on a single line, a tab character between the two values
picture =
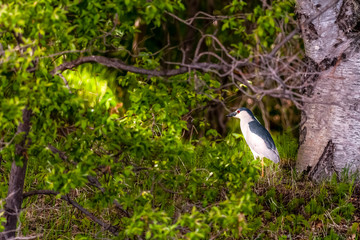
252	140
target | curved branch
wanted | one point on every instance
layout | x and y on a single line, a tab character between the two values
115	63
222	69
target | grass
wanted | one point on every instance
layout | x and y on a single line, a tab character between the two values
297	208
287	205
50	218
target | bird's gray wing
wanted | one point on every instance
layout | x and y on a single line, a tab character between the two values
256	128
262	143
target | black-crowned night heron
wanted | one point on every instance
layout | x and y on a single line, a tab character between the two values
256	136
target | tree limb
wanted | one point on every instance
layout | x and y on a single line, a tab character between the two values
17	178
115	63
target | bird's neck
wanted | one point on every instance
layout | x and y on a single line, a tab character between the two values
246	118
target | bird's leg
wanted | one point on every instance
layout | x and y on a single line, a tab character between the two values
262	164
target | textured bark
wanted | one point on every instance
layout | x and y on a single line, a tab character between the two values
17	178
325	167
333	72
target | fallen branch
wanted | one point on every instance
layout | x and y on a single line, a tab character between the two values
27	238
106	226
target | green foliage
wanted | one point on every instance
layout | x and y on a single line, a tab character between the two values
267	29
145	138
91	82
287	145
2	218
266	24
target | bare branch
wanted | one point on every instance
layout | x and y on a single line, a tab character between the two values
285	40
206	16
115	63
27	238
224	69
184	22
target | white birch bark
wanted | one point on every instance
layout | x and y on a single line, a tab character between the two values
333	114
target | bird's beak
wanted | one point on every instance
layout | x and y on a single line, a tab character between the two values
231	114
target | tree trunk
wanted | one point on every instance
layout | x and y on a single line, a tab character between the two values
330	134
17	178
192	7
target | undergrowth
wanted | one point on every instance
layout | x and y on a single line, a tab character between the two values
215	194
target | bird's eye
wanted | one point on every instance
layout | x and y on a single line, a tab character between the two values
238	111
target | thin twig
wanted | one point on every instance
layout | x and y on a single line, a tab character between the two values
106	226
65	81
183	21
28	238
